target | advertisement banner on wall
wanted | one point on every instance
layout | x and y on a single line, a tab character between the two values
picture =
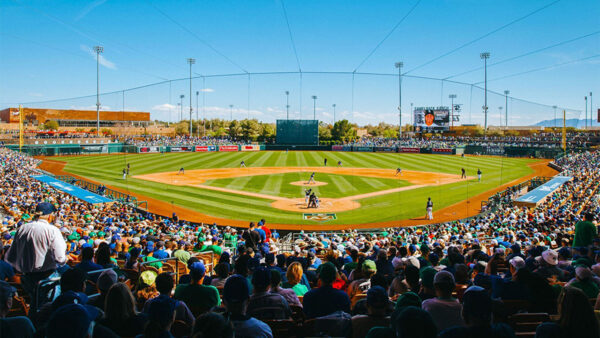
364	149
441	151
386	149
149	149
201	148
409	150
179	149
337	148
228	148
347	148
250	147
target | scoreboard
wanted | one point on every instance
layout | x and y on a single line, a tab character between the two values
431	119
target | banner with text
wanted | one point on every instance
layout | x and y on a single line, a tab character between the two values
228	148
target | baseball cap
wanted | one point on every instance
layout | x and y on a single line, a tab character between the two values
197	270
45	208
69	321
408	299
550	256
427	276
517	262
261	277
236	289
443	277
477	302
369	266
148	277
106	279
377	296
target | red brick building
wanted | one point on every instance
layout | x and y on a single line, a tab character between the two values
75	118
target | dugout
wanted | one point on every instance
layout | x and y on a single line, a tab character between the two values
297	132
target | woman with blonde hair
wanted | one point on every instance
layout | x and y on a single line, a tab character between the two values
294	275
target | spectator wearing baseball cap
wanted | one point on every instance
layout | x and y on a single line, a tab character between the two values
548	266
584	281
263	304
236	294
38	248
199	298
19	326
444	309
513	286
377	304
361	280
106	279
477	314
325	299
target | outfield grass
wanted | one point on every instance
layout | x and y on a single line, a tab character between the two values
279	184
396	206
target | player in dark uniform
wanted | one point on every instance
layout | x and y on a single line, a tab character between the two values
307	195
181	171
312	178
463	173
242	164
325	162
339	163
478	175
398	171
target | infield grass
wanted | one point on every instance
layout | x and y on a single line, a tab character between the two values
395	206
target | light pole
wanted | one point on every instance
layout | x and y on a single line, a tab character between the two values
591	109
287	105
585	112
452	97
506	92
181	107
191	61
314	97
399	65
554	117
500	113
485	56
333	105
411	117
98	49
231	112
197	119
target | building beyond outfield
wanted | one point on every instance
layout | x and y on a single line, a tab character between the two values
75	118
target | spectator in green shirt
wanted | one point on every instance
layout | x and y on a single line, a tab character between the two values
199	298
584	282
585	232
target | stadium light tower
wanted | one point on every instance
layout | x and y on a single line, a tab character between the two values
452	97
191	61
231	112
500	110
485	56
554	116
591	109
197	119
333	105
411	117
314	97
506	92
399	65
585	97
287	104
181	107
98	50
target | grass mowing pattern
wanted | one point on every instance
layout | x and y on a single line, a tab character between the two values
279	184
396	206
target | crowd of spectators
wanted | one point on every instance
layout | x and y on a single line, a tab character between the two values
453	279
185	140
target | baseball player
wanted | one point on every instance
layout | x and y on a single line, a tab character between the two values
312	178
339	163
325	162
478	175
317	202
124	173
398	171
429	208
463	173
181	171
307	195
242	164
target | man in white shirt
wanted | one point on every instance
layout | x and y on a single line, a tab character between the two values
37	250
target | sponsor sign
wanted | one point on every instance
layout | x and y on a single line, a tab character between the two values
441	150
365	149
540	193
179	149
72	190
409	150
250	147
228	148
319	217
386	149
347	148
201	148
149	149
337	148
496	150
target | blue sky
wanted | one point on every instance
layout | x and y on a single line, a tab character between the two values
46	54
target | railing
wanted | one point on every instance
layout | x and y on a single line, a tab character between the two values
95	188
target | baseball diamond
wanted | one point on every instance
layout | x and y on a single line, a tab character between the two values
365	191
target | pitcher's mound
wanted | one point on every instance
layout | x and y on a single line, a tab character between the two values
326	205
305	183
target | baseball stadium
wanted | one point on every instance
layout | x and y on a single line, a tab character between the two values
299	169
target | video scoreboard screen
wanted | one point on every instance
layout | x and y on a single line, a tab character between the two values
431	119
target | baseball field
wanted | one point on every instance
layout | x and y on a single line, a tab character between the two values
364	190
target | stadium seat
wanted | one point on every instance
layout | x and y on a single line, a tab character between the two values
283	327
525	324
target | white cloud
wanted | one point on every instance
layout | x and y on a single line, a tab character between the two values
102	60
164	107
207	90
87	9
